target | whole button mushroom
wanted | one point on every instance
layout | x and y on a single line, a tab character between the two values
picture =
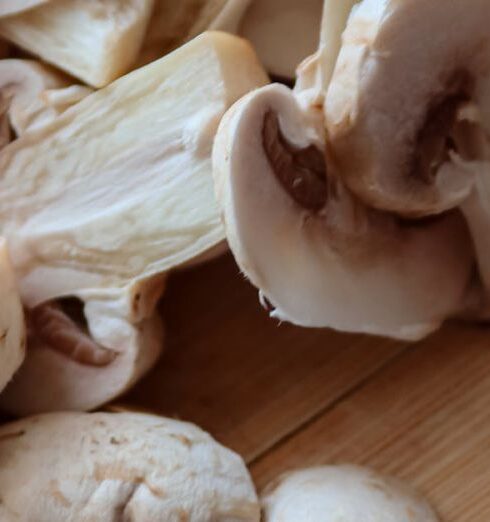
343	494
101	467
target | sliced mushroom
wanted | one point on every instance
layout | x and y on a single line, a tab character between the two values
12	327
120	466
12	7
123	194
96	41
343	493
404	71
34	94
318	255
172	24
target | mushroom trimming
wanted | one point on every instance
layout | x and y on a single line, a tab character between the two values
119	466
343	493
111	215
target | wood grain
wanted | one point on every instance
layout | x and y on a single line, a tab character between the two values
425	417
239	374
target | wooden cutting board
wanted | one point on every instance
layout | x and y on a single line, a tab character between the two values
286	397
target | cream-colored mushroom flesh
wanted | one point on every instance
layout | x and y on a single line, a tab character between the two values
124	193
11	7
12	327
320	257
284	32
174	23
404	70
343	493
96	40
101	467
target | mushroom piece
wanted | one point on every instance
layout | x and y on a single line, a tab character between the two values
404	71
95	41
34	94
172	24
343	493
284	32
12	327
11	7
318	255
123	194
120	466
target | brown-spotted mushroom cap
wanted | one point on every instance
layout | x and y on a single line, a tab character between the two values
319	256
404	70
343	494
124	194
100	467
12	327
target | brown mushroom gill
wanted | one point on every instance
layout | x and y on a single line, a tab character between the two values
62	327
433	141
300	171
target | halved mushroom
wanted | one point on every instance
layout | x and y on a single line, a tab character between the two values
12	327
11	7
34	94
318	255
101	203
284	32
404	71
174	23
95	41
343	493
120	466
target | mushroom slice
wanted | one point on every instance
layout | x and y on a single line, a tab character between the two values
120	466
12	327
123	194
11	7
318	255
95	40
284	32
34	94
172	24
404	70
343	493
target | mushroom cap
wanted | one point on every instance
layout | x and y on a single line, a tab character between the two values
343	493
284	32
67	467
12	7
404	70
12	326
318	255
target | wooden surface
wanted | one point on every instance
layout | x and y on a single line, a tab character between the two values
285	397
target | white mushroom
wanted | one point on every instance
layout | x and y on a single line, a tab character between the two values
123	194
12	328
96	41
104	467
343	494
318	255
12	7
284	32
405	69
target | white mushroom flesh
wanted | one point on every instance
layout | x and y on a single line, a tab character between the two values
110	214
94	40
69	467
317	254
343	494
12	7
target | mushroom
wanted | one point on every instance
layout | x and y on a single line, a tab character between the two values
284	32
319	256
120	466
405	70
343	493
34	94
12	7
174	23
12	328
123	194
94	41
